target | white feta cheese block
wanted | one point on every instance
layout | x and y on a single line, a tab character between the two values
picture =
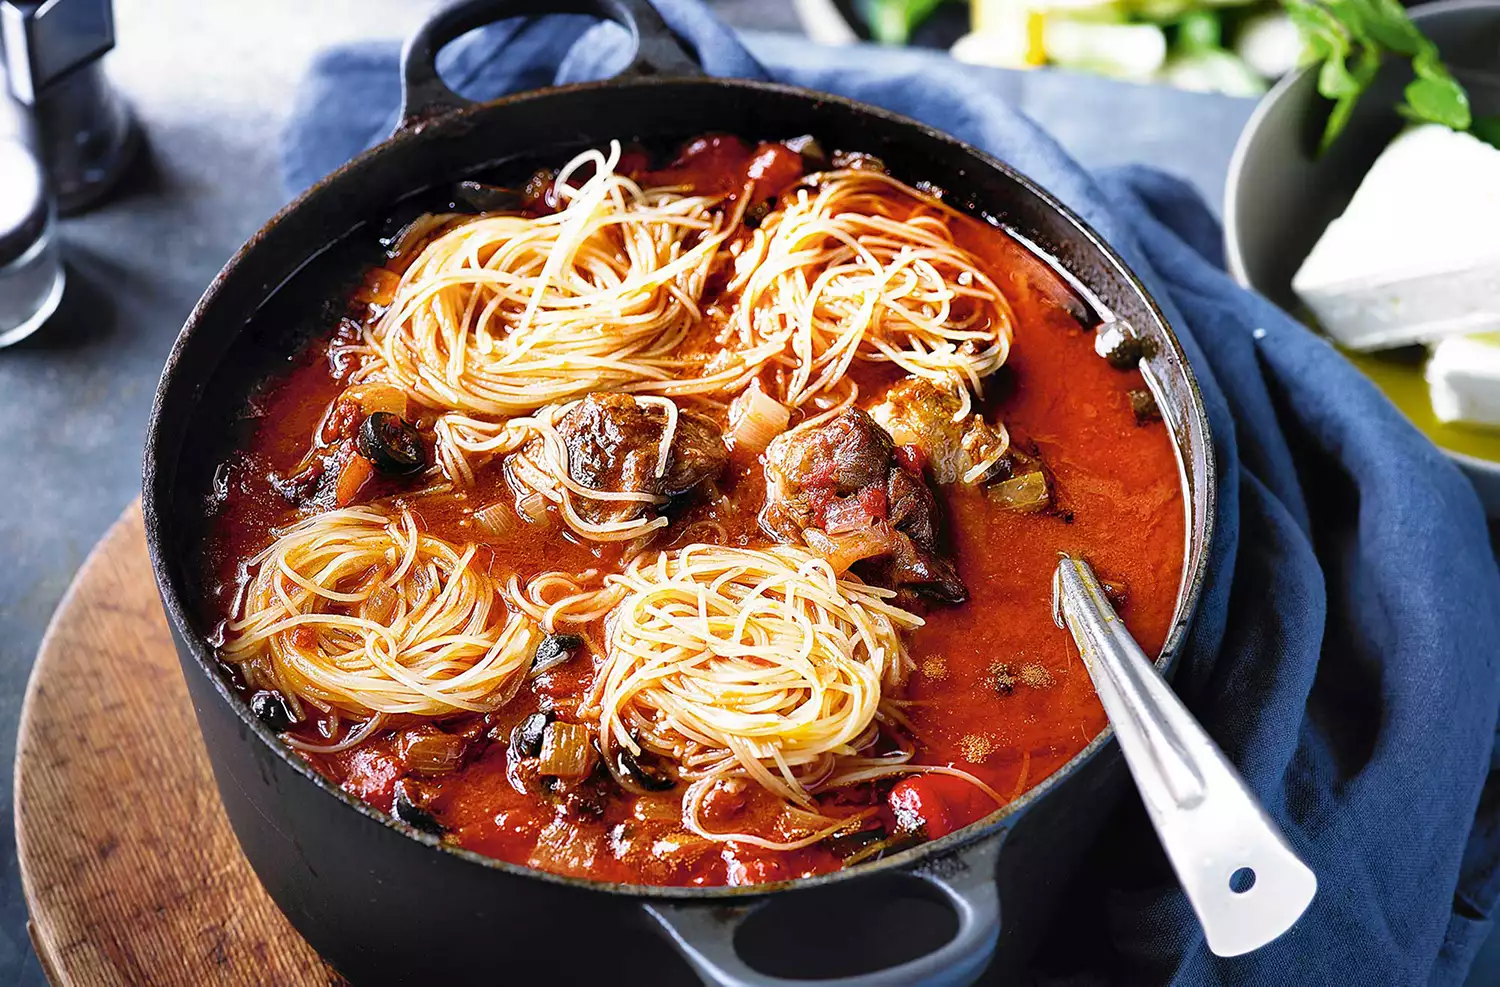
1416	256
1463	377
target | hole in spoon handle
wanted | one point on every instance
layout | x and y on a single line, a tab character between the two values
1245	883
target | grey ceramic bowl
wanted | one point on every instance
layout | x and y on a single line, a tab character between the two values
1280	196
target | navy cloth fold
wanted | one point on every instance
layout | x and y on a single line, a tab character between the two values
1345	653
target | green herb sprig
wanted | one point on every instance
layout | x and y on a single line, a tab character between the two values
1350	38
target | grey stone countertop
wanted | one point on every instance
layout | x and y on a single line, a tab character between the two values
211	83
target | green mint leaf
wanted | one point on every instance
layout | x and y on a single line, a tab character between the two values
1337	120
1335	81
1388	25
1353	80
1438	100
1320	30
1351	15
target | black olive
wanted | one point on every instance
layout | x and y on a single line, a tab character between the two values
886	845
392	444
1144	406
271	709
526	738
587	800
846	845
415	816
553	651
486	198
643	771
1119	345
756	213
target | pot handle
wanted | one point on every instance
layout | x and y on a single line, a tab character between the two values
705	934
425	97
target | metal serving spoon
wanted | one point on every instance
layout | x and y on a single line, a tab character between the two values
1244	882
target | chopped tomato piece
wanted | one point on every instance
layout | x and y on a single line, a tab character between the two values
725	800
710	150
342	421
372	776
351	478
941	803
772	171
633	161
744	868
919	805
709	164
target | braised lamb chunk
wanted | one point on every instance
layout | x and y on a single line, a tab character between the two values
698	455
614	444
921	416
919	413
838	489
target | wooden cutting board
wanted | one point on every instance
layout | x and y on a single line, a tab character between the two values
129	867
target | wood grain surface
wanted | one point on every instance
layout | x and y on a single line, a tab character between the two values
129	867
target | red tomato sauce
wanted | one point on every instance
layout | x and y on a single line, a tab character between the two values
999	690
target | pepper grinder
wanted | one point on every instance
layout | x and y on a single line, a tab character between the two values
83	129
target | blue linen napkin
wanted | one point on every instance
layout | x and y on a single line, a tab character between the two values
1345	654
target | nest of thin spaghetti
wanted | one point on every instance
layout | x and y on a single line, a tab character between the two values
756	664
505	314
860	266
363	613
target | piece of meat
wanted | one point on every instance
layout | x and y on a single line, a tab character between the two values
916	412
614	444
848	453
698	454
912	508
839	489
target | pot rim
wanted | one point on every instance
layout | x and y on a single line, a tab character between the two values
991	827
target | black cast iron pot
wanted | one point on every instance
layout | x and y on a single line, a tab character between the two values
388	904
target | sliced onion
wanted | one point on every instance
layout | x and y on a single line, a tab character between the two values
429	751
755	418
565	848
844	516
381	606
498	519
842	551
533	508
567	751
378	396
1026	493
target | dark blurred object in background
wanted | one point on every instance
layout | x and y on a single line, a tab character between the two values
83	130
31	275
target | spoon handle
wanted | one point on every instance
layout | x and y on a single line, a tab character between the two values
1246	885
